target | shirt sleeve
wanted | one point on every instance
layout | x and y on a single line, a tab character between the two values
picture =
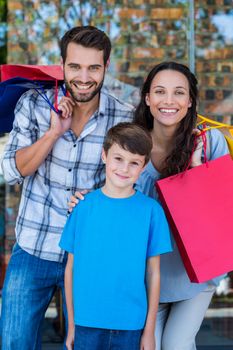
23	134
159	236
218	144
67	240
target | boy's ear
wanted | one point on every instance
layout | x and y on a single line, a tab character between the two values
103	156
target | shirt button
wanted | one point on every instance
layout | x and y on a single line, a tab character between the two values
69	169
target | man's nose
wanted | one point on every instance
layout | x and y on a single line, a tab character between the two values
83	75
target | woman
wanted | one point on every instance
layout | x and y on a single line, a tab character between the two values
168	109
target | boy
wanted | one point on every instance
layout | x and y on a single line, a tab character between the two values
119	235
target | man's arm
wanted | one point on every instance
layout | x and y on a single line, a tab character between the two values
24	152
153	290
29	159
69	301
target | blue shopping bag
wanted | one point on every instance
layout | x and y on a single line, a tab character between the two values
17	79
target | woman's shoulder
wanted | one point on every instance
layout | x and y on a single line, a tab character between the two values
216	143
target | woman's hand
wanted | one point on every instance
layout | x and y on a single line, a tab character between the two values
75	199
196	157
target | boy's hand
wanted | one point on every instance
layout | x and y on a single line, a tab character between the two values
70	339
75	199
147	341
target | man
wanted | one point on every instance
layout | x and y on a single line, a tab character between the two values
53	155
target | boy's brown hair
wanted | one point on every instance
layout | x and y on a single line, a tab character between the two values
131	137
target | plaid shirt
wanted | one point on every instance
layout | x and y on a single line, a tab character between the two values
73	164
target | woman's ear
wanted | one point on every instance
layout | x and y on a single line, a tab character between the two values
147	100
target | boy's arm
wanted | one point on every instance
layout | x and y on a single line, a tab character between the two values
69	301
153	290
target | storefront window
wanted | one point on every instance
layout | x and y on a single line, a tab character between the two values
143	33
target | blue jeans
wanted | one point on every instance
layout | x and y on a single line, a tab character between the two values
29	286
105	339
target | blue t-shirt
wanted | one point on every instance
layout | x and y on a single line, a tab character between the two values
111	239
175	283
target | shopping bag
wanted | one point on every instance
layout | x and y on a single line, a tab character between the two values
33	72
226	129
199	207
17	79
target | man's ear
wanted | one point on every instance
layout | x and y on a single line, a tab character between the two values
147	100
103	156
107	64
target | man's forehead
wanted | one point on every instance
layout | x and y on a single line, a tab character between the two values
84	55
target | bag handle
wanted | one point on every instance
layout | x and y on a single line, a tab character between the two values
215	124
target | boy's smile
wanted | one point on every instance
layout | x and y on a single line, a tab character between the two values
122	170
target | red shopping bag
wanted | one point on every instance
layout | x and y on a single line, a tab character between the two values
33	72
199	207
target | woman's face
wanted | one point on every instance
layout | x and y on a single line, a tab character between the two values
169	97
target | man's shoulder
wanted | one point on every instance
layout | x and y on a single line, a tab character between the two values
117	104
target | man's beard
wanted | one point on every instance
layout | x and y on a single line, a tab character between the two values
84	97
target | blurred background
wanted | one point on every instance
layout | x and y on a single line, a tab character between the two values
143	32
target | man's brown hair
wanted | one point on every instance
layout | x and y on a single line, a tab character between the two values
87	36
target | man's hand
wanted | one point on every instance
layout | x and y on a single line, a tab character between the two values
60	123
147	340
75	199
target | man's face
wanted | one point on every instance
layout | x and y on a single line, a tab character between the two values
83	72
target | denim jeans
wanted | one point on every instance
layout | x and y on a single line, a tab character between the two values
29	285
105	339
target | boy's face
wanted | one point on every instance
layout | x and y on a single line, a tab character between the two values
84	71
122	167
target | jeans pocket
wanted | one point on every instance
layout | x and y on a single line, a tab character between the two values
16	249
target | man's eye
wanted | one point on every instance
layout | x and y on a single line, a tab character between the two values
94	68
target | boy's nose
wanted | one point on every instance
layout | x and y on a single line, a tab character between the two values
125	167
